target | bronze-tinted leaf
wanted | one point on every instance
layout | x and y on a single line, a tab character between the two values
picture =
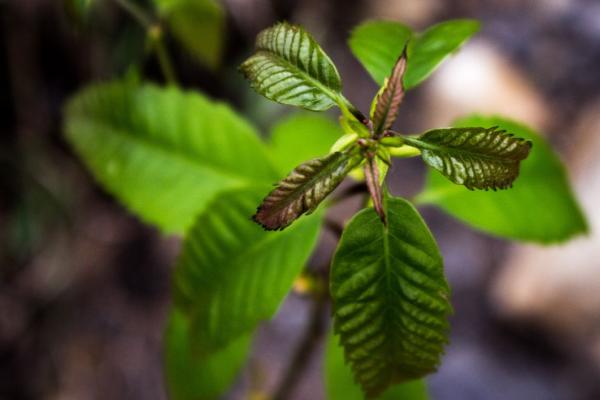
372	180
389	98
303	189
479	158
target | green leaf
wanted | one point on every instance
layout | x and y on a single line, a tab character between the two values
302	137
479	158
388	100
340	385
539	208
430	48
199	378
303	189
162	152
390	297
232	274
290	67
378	44
199	25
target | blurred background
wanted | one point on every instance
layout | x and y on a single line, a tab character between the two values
84	286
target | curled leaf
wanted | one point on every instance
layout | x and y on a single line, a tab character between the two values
303	190
373	184
478	158
389	99
290	67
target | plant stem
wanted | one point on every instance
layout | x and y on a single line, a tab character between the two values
163	56
155	33
136	12
313	333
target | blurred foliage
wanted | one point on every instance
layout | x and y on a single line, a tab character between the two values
301	137
539	208
231	274
200	378
142	144
378	44
199	25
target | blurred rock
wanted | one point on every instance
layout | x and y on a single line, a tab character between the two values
415	13
480	79
558	286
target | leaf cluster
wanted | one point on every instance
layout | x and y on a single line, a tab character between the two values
192	166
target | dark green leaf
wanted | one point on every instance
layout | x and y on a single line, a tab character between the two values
340	385
302	137
199	378
162	152
290	67
378	44
540	207
199	25
303	190
390	297
232	274
389	99
479	158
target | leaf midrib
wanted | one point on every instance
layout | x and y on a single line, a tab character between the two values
166	149
334	96
415	142
301	190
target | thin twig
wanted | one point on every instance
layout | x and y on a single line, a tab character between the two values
313	333
156	35
136	12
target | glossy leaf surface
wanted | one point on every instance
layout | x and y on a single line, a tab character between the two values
290	67
378	44
232	274
540	207
479	158
162	152
340	385
199	25
192	377
302	137
389	99
390	297
303	190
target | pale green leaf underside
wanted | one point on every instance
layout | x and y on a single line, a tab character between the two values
390	297
340	385
192	377
162	152
199	25
540	207
302	137
231	274
478	158
378	44
303	190
290	67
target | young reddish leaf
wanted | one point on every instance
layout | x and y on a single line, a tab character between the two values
389	99
303	190
372	179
